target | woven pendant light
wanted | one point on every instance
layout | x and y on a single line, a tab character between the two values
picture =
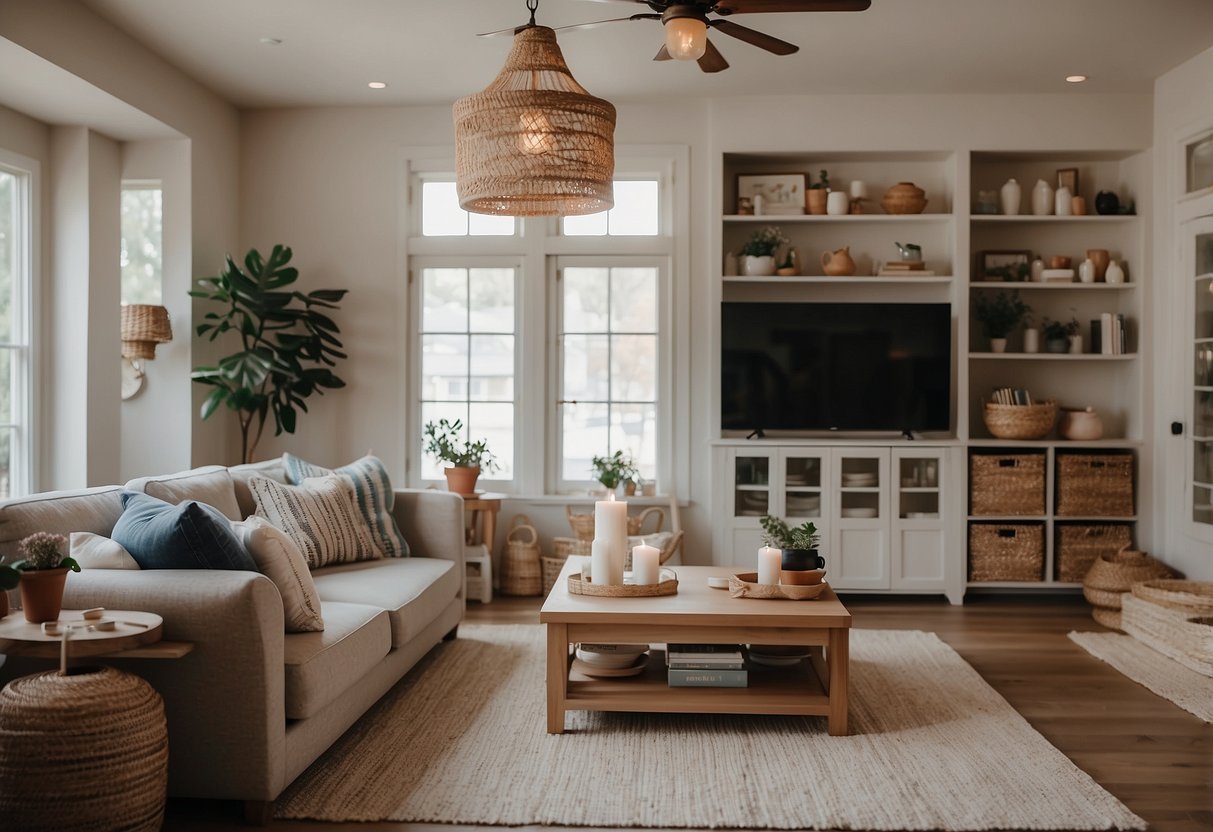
143	327
534	142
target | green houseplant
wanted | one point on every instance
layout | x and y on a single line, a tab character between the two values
758	253
1058	334
799	543
288	345
43	572
445	441
614	469
999	313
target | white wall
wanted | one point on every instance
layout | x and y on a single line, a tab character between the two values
1183	104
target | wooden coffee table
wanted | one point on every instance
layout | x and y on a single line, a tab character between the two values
698	614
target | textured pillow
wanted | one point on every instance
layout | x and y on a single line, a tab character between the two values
373	496
280	560
189	535
210	485
94	551
319	516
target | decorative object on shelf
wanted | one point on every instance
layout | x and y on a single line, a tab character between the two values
1082	425
730	264
1038	270
798	545
1060	261
998	345
760	205
1063	202
43	569
910	252
999	313
747	585
1113	575
838	263
143	327
1058	335
904	198
781	193
818	193
1075	342
1107	202
758	253
837	203
790	267
1086	271
521	573
1115	273
1009	197
1031	340
1067	178
1042	199
612	471
1019	421
745	206
1078	206
667	584
1099	256
1057	275
442	440
1007	266
859	195
534	142
987	202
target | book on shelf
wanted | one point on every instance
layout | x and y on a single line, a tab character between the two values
704	656
1108	334
887	272
1011	395
691	678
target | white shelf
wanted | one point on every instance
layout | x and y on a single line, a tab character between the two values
1052	218
1065	287
775	219
852	280
1053	443
1050	356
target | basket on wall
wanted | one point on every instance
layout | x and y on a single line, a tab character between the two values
521	571
1007	485
583	523
1019	421
1114	574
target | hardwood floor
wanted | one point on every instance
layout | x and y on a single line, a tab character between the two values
1155	757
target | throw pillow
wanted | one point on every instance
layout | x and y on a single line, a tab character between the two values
94	551
373	496
280	560
210	485
189	535
319	516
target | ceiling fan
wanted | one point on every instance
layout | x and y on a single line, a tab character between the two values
687	22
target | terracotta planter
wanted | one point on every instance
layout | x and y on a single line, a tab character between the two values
817	198
462	480
42	594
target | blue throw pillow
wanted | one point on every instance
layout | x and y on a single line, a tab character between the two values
190	535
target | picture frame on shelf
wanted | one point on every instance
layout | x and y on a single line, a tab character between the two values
1005	266
1068	178
782	193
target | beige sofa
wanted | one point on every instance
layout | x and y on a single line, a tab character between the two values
251	706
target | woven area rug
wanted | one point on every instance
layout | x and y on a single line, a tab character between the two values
463	740
1152	670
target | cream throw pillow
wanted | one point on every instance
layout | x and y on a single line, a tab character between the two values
319	516
94	551
279	559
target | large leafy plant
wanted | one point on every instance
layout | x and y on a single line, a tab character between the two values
288	344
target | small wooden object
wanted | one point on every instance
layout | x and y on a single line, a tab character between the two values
745	585
582	585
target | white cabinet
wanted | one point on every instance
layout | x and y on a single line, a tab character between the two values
919	533
858	553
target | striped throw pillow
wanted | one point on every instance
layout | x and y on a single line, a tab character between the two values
319	516
373	496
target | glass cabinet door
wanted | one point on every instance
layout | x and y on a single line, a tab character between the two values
803	483
751	485
1199	444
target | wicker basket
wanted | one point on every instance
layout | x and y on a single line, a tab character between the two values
1113	574
1180	634
521	573
1095	485
1006	552
1007	485
562	547
1193	598
583	524
1107	617
1019	421
1078	547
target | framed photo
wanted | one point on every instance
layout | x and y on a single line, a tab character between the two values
1068	178
1004	266
782	193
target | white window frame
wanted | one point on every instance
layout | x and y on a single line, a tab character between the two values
147	185
23	478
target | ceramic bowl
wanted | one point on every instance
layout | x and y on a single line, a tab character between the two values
808	577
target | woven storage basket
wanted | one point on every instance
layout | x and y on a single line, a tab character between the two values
1189	597
1095	485
1019	421
86	751
1078	547
521	573
1113	574
1180	634
583	524
1107	617
1007	485
562	547
1006	552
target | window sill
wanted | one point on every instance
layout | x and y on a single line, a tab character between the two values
584	499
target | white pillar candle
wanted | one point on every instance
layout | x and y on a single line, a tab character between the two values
600	562
611	526
770	560
859	189
646	564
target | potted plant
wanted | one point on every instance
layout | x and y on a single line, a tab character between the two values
1058	335
818	191
799	545
43	572
442	442
614	469
758	254
998	314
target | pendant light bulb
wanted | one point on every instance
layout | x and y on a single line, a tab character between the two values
535	137
686	38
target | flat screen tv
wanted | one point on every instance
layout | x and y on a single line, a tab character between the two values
836	366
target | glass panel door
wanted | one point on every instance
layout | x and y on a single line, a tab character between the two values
751	486
1199	445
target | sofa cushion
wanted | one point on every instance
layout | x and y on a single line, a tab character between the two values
189	535
321	666
94	551
319	516
373	495
271	469
211	485
59	512
279	559
413	590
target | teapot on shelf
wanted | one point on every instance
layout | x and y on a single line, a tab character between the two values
838	263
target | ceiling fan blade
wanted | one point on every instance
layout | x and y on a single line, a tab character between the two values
663	54
754	38
775	6
712	60
612	20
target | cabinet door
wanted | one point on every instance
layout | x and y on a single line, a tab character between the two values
804	476
918	518
859	519
1198	450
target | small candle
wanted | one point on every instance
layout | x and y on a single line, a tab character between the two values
770	560
645	564
600	562
859	189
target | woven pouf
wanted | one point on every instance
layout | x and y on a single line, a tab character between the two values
87	751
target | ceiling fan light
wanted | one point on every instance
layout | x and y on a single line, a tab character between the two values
686	38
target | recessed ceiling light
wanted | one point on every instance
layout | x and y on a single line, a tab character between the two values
377	85
268	41
1076	79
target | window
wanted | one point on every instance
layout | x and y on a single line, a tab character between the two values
16	281
636	213
142	238
441	215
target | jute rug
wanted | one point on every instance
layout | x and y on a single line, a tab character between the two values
463	740
1152	670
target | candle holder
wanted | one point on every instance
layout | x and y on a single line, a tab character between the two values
581	584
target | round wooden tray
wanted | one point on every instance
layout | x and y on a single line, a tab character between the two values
667	585
132	628
745	585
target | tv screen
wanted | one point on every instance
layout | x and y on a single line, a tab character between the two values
835	366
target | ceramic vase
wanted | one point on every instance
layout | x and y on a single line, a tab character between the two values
1081	425
1086	271
1038	270
730	264
837	203
1078	206
1107	202
1042	199
1056	345
758	266
1075	344
1009	197
1099	256
1114	274
1031	340
998	345
1063	202
817	200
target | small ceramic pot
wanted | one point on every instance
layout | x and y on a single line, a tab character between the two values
42	594
1075	344
1057	345
757	266
1042	198
1063	202
904	198
461	480
1078	206
816	200
801	560
998	345
1080	425
1060	261
1114	274
1086	271
1038	270
1107	202
837	203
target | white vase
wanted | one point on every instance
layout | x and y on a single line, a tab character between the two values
1009	197
1075	344
1038	270
1042	199
1063	202
758	266
1114	273
837	203
1031	340
998	345
1086	271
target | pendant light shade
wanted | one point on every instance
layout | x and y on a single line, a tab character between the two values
534	142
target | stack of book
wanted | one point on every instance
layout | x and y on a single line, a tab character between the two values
905	268
1011	395
1108	334
706	665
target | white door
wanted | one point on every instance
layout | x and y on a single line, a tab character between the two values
918	518
859	521
1197	285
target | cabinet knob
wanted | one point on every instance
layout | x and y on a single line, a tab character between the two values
1177	428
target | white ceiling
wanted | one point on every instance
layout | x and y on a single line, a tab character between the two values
426	50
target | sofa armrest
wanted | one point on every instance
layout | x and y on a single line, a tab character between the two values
432	522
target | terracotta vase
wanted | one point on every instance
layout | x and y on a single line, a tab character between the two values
838	263
1099	256
42	594
817	198
462	480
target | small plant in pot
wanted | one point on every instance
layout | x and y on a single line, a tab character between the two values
818	191
799	545
43	571
614	469
758	253
1057	334
465	461
998	314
